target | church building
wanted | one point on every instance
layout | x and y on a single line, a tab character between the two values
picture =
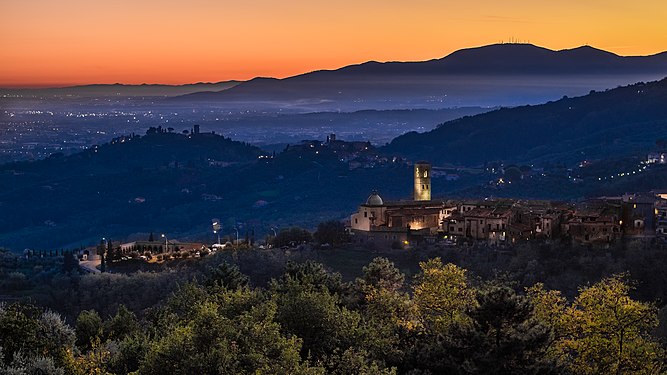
398	221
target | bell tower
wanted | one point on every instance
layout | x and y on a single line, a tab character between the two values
422	175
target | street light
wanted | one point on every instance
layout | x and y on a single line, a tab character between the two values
102	254
104	247
166	244
216	232
274	237
237	235
216	228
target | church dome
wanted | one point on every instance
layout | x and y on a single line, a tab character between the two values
374	200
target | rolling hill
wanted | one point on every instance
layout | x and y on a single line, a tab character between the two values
616	122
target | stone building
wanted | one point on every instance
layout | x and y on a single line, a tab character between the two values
422	190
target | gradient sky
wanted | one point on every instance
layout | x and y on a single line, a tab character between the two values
64	42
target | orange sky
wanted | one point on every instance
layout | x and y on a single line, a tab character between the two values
64	42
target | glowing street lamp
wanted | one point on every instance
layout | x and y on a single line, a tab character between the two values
166	244
274	237
104	247
216	228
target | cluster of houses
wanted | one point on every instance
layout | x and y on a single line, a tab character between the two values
144	249
506	221
657	158
356	154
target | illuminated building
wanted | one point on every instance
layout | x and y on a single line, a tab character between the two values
500	221
422	190
397	221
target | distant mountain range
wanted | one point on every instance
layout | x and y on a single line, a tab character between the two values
488	76
121	90
616	122
494	75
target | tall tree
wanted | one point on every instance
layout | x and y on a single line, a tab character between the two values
88	328
331	232
123	324
381	273
292	236
442	294
609	331
227	276
504	336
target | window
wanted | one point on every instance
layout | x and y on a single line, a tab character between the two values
365	214
460	229
356	221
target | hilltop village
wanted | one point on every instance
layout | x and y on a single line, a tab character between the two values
402	224
599	221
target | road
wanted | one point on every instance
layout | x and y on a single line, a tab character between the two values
90	265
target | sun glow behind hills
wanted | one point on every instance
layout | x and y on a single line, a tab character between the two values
50	43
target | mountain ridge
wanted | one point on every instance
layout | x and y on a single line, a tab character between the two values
493	75
122	89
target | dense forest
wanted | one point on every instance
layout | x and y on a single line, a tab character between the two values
426	311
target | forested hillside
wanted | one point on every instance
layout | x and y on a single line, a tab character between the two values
616	122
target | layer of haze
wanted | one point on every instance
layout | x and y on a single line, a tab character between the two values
65	42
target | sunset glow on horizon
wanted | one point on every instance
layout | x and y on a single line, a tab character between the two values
70	42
